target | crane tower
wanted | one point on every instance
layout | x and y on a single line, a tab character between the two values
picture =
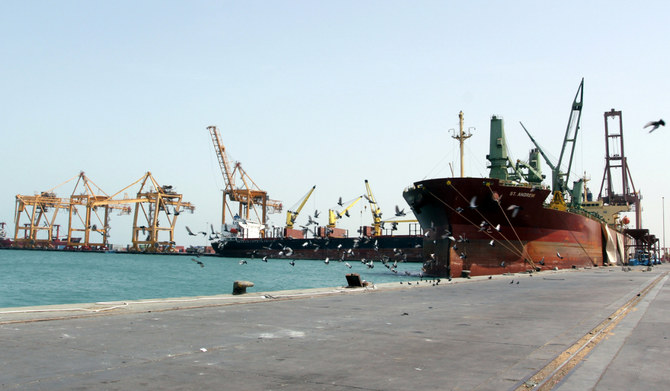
248	196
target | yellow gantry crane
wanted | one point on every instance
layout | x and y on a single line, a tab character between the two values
249	195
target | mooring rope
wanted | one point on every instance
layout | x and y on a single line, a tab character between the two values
512	250
525	251
516	250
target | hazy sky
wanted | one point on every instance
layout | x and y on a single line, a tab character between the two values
325	93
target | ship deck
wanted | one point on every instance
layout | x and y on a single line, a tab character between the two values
479	333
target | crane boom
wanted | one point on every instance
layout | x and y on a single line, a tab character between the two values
247	197
559	178
334	215
571	135
291	216
224	164
376	211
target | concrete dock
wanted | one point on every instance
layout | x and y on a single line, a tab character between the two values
477	334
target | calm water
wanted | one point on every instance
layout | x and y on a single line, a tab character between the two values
30	278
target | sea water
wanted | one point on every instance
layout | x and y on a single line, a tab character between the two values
29	278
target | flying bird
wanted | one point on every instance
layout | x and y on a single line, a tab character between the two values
514	209
265	259
347	265
189	231
292	263
316	214
326	261
198	262
399	212
559	255
243	262
339	202
473	202
655	124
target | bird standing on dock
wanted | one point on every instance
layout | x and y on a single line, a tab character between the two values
655	124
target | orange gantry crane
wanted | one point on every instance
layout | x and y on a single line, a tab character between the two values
41	211
248	196
89	215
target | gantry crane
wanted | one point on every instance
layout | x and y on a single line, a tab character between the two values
42	210
249	195
152	205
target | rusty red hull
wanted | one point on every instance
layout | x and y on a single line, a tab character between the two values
478	226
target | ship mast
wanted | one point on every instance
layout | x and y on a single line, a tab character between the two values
461	139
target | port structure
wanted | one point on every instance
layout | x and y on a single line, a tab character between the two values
152	205
292	215
41	212
333	215
559	177
248	196
89	211
616	167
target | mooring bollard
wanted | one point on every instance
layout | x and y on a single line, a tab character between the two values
240	287
354	281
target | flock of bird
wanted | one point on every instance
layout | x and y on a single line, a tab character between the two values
318	243
212	236
344	254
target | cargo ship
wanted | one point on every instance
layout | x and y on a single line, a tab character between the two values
5	242
238	240
510	222
249	239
